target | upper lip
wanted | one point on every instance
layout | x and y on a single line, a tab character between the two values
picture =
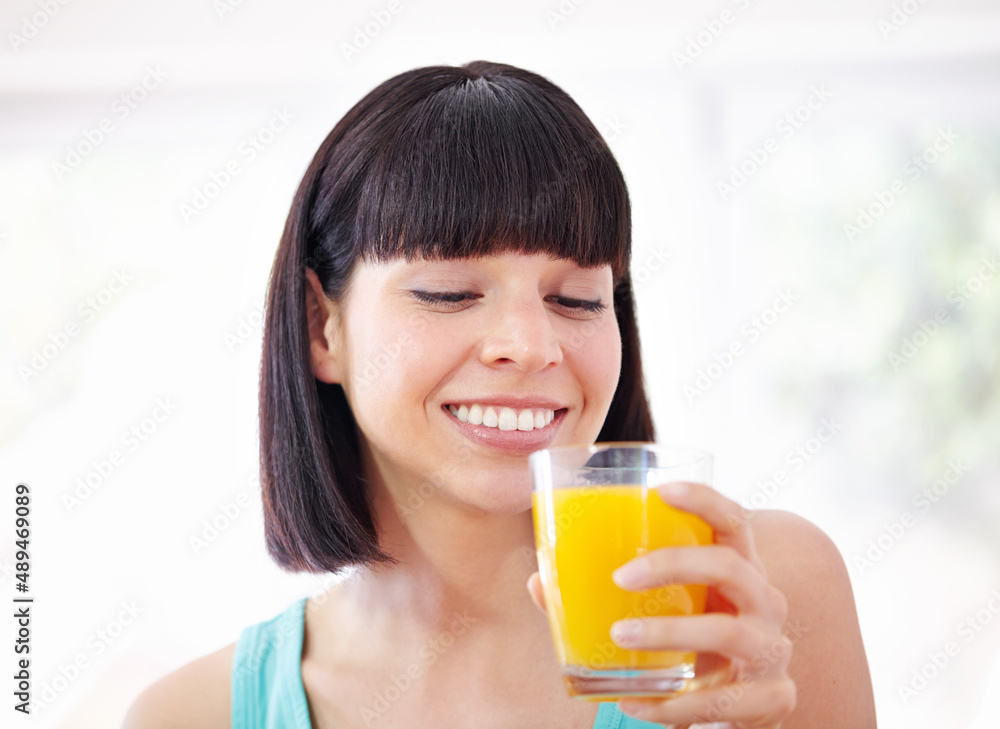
518	402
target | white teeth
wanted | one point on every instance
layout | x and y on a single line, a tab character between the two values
507	420
504	418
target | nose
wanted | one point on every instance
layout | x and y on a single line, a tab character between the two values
521	335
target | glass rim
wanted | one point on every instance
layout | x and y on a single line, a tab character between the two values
694	454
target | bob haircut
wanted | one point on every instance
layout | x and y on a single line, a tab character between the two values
438	162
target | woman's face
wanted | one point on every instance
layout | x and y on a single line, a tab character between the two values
456	370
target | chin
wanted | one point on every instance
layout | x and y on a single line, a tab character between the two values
498	494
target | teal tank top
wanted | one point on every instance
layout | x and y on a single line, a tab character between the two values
267	690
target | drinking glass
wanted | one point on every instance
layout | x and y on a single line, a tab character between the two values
595	508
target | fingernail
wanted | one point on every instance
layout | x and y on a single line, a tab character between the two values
627	632
631	575
676	489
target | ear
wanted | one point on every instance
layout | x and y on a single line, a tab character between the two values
323	316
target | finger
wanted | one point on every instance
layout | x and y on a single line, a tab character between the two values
763	703
720	565
729	520
536	592
715	633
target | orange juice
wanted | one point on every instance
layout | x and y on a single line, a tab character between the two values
583	534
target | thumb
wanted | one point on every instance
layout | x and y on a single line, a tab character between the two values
535	590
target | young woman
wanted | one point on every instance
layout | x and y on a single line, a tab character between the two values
452	292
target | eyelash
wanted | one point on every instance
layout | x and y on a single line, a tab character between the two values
443	298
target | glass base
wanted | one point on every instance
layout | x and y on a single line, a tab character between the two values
609	684
602	684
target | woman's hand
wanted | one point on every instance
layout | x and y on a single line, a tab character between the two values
743	620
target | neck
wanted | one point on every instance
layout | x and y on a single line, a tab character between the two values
451	561
455	603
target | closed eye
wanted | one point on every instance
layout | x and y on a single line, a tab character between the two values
454	300
586	305
448	298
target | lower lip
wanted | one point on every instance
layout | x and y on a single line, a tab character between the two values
521	442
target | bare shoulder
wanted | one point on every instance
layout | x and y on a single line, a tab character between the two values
828	665
195	696
786	540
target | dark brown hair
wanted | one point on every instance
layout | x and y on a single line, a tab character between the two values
438	162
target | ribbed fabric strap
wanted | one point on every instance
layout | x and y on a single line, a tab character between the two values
267	691
609	717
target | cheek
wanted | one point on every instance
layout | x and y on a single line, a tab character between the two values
395	363
597	359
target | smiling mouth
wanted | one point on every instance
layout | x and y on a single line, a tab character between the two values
503	418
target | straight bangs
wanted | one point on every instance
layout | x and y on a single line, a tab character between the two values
481	168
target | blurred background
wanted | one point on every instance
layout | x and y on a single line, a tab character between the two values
816	196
